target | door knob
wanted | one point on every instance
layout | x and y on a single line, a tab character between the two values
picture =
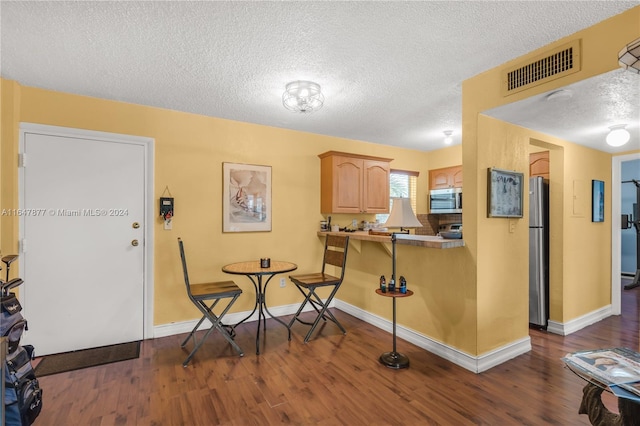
134	243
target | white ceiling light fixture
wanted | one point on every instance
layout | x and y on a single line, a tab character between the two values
447	137
629	56
302	96
618	135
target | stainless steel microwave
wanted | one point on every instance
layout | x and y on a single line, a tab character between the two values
447	200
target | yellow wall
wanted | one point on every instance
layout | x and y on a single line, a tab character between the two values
446	157
189	152
581	250
473	299
9	105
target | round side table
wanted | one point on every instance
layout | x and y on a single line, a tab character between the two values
394	359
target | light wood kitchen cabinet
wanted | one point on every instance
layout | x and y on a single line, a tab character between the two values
351	183
448	177
539	164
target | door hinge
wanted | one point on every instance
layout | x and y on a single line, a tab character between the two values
22	248
22	160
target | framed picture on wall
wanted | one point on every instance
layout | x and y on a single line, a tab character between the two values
246	198
504	193
597	201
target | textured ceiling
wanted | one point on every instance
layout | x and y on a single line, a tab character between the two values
391	72
583	112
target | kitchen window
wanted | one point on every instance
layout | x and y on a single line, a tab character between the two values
402	183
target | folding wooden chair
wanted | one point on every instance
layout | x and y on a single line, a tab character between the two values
335	254
200	295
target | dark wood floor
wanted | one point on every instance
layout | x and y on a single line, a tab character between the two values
332	380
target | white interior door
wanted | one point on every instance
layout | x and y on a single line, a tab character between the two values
83	258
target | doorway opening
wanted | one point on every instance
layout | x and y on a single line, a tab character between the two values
616	233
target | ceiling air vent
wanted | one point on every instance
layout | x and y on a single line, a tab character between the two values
553	64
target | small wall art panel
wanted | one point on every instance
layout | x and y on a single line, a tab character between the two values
504	193
597	201
246	198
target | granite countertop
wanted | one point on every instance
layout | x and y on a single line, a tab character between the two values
430	241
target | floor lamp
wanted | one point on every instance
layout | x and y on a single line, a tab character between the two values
402	217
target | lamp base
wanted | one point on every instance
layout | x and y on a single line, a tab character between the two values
394	360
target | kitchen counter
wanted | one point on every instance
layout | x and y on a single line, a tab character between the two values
429	241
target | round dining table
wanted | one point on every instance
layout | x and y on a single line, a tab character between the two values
254	270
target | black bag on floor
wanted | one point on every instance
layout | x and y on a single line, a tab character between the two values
12	324
25	382
21	375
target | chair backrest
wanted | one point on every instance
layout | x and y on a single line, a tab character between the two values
335	252
184	265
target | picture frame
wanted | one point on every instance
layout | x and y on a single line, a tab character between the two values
597	201
504	193
246	198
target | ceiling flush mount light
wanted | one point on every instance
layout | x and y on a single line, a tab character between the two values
447	137
302	96
618	135
629	56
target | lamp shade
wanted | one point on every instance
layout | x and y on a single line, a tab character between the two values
402	215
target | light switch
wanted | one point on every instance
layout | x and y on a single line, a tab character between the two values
512	226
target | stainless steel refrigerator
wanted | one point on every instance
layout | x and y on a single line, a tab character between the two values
538	251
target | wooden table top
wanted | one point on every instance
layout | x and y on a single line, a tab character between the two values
394	293
252	267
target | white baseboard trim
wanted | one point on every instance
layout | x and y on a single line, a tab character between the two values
476	364
579	323
165	330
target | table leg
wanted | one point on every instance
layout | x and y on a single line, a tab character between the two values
266	309
254	306
394	359
260	302
261	307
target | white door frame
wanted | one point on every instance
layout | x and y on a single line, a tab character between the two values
148	144
616	251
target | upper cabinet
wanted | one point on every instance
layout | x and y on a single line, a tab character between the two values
539	164
448	177
351	183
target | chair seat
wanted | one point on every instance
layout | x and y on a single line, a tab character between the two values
317	279
217	289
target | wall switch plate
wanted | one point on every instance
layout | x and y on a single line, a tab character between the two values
512	226
282	282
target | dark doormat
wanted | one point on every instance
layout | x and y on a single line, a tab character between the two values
68	361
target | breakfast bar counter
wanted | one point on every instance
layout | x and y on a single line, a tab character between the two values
429	241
